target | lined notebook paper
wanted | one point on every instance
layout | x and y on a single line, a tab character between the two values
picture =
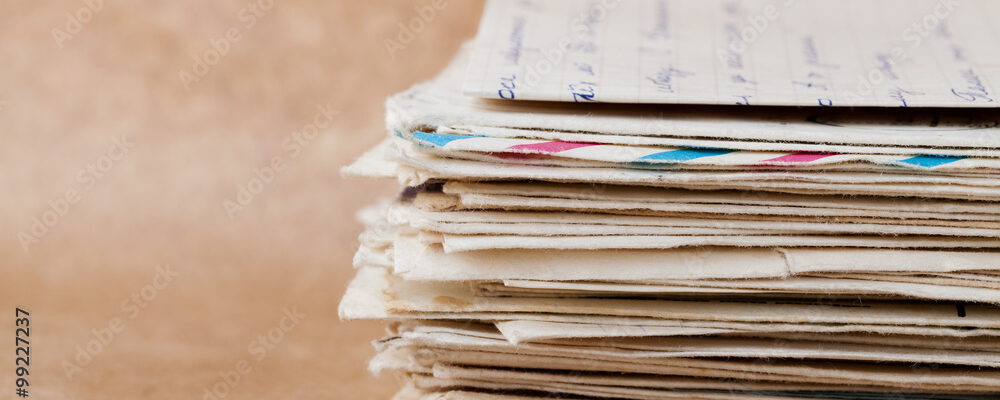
889	53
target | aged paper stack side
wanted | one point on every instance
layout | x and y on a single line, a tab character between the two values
601	251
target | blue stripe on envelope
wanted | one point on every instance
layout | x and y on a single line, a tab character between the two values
685	154
931	161
439	139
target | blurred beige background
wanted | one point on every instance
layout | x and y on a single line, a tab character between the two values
115	162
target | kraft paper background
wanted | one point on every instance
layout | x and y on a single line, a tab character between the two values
162	203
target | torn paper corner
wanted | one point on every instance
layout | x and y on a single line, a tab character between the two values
364	298
372	164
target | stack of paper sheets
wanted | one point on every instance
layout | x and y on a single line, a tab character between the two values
622	251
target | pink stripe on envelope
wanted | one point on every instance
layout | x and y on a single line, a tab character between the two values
799	157
550	147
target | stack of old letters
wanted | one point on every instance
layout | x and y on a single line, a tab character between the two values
572	246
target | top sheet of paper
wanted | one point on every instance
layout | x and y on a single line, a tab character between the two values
889	53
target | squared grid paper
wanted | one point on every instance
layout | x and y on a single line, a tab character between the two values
887	53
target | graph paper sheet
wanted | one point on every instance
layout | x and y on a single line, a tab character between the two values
888	53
